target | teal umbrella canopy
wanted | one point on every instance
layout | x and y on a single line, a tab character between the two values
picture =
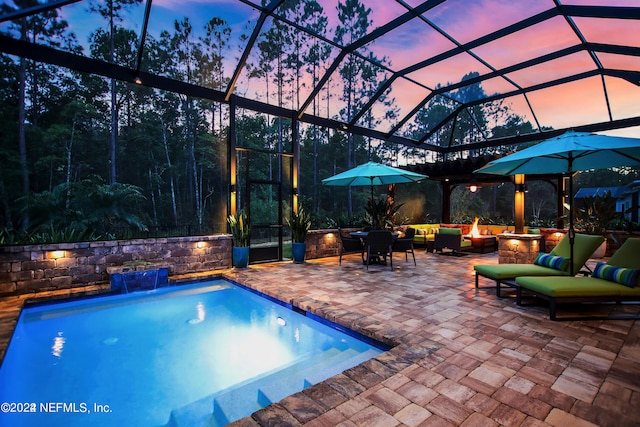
372	173
568	153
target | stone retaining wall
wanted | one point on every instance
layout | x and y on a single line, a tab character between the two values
518	248
323	243
25	269
29	268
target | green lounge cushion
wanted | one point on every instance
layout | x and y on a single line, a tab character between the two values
446	230
552	261
575	287
585	245
510	271
625	276
627	255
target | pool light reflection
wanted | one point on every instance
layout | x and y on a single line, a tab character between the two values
201	313
58	345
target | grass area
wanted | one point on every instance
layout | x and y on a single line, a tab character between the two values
286	251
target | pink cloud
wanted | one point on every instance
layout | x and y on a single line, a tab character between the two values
532	42
467	20
571	104
551	70
625	32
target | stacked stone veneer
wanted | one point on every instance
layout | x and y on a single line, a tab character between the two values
323	243
32	268
524	248
518	248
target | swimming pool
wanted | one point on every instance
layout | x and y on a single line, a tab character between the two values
200	354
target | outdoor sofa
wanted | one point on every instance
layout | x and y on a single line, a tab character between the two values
614	282
585	245
426	233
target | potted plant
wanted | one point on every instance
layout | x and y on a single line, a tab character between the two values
380	213
299	223
594	217
240	231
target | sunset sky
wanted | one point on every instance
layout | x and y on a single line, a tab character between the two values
570	104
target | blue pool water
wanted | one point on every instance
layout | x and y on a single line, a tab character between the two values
193	355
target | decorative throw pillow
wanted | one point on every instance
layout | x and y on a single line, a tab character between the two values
552	261
625	276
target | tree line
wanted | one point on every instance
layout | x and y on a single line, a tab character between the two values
87	157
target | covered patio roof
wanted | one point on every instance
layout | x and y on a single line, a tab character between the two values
461	171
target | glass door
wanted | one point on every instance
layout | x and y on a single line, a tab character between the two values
265	216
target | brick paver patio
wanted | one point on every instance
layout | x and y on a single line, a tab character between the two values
461	357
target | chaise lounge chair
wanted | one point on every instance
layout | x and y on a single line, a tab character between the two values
616	281
584	246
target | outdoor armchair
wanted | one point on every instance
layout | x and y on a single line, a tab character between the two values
616	281
349	245
405	244
450	238
585	245
379	244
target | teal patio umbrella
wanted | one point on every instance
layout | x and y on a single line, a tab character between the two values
566	154
372	173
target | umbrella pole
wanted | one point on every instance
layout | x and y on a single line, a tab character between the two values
572	234
371	178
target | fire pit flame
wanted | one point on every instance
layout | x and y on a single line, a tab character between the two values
474	229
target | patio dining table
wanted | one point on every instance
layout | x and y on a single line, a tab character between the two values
364	234
375	258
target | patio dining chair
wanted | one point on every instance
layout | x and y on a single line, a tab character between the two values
405	244
379	244
349	245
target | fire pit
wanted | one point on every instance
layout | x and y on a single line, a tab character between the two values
479	242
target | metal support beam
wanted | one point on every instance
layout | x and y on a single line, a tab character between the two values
28	11
231	160
143	38
446	202
295	173
250	43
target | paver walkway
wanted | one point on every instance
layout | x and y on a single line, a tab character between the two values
462	356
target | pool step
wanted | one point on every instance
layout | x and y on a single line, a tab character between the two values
190	414
246	398
287	385
229	407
